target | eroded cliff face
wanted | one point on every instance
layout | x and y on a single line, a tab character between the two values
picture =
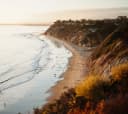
85	33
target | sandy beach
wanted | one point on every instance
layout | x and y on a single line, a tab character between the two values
76	70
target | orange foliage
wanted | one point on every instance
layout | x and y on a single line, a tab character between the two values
92	87
120	72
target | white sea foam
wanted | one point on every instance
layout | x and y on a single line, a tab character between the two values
29	65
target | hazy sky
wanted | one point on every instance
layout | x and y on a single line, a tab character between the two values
14	11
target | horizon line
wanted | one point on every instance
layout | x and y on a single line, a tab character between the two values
55	14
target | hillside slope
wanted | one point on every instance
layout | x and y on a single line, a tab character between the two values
112	51
84	33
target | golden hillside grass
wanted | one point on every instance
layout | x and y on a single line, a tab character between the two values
119	72
92	87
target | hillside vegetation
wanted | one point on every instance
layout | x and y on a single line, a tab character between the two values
111	52
105	89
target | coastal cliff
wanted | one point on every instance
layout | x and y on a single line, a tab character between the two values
105	88
85	33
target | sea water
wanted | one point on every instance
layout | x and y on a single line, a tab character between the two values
30	64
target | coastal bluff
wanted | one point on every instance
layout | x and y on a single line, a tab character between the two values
84	33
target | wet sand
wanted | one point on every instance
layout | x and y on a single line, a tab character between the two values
76	70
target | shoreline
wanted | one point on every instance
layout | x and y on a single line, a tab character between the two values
76	69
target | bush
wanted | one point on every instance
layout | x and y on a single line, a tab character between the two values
120	72
62	105
117	105
119	78
92	88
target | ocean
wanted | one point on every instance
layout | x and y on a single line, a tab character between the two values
30	64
